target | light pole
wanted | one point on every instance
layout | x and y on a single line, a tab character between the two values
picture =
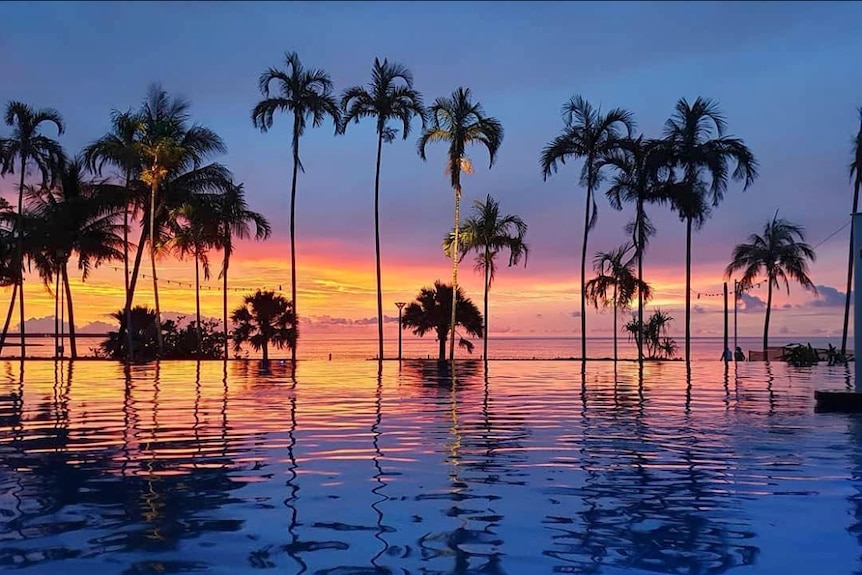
400	305
735	302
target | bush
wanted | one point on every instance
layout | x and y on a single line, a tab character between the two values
179	343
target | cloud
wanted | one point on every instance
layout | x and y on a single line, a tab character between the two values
784	330
828	296
326	320
698	309
787	306
538	316
575	314
751	302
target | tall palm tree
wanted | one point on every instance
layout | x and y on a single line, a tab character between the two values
781	253
856	175
616	284
460	122
636	163
168	144
306	94
264	319
591	135
119	148
29	145
699	156
73	217
9	265
193	232
390	96
487	232
432	312
235	221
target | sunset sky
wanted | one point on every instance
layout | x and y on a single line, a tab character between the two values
781	72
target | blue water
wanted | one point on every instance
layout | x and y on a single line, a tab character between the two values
207	468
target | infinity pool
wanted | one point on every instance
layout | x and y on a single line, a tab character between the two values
207	468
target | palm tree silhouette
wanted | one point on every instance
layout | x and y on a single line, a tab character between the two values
235	221
636	163
432	312
616	283
9	265
460	122
487	233
699	171
167	145
856	175
28	145
590	135
781	253
307	95
264	319
389	96
74	216
119	148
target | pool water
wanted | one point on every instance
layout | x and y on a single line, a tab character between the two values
337	469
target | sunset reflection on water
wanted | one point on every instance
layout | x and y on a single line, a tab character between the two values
341	468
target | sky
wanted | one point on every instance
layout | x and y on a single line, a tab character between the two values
778	70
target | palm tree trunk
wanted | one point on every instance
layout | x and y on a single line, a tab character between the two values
453	320
615	323
73	349
57	314
9	315
687	290
485	331
293	232
198	300
127	309
768	313
856	186
639	339
442	339
136	268
377	248
584	279
265	351
159	341
21	252
224	294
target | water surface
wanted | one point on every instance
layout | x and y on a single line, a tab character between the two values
336	469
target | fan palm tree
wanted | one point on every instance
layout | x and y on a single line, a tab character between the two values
143	330
119	148
264	319
781	253
636	163
167	145
194	230
306	94
616	284
591	135
487	232
432	312
460	122
28	145
390	96
699	156
73	217
235	221
856	176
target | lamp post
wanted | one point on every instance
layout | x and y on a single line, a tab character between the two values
400	305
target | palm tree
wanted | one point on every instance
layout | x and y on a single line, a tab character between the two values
143	330
9	265
119	148
616	284
167	145
856	175
699	154
591	135
28	145
264	319
194	232
460	122
487	232
432	312
781	253
389	96
235	221
307	95
73	217
636	163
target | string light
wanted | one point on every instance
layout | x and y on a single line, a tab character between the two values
234	289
